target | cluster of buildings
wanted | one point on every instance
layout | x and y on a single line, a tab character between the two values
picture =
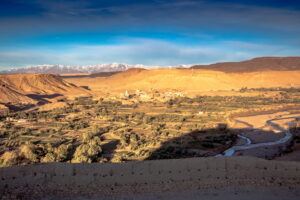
152	95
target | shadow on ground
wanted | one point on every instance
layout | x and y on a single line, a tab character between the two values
42	99
210	142
109	148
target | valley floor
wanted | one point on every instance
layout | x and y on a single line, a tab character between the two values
264	136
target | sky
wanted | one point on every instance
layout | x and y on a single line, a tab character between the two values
152	32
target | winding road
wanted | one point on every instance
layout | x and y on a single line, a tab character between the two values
249	145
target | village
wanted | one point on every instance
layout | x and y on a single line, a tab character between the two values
132	125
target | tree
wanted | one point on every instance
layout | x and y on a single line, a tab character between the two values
28	152
49	157
86	136
88	151
58	154
9	158
124	140
24	155
62	152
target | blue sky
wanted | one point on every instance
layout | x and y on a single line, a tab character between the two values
152	32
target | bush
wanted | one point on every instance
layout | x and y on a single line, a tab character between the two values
59	154
86	136
28	152
177	127
9	158
24	155
88	151
49	157
62	152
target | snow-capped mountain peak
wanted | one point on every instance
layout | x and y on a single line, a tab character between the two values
62	69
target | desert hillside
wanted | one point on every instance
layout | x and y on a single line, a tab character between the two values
39	83
188	80
11	95
21	88
256	64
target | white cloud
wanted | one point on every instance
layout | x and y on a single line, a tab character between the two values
144	51
135	51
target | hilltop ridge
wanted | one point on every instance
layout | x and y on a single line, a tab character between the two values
189	80
252	65
255	64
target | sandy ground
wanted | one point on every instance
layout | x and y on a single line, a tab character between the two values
260	152
258	121
260	136
257	131
293	156
232	193
263	133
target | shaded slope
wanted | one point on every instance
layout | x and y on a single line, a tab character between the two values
256	64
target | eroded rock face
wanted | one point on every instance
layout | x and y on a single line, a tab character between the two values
25	88
143	180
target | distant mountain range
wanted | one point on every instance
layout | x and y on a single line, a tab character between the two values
91	69
256	64
253	65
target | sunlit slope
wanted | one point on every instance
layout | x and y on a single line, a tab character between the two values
10	95
39	83
189	80
17	88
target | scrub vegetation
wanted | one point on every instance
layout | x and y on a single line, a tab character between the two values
106	130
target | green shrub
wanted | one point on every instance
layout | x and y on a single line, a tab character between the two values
88	151
9	158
